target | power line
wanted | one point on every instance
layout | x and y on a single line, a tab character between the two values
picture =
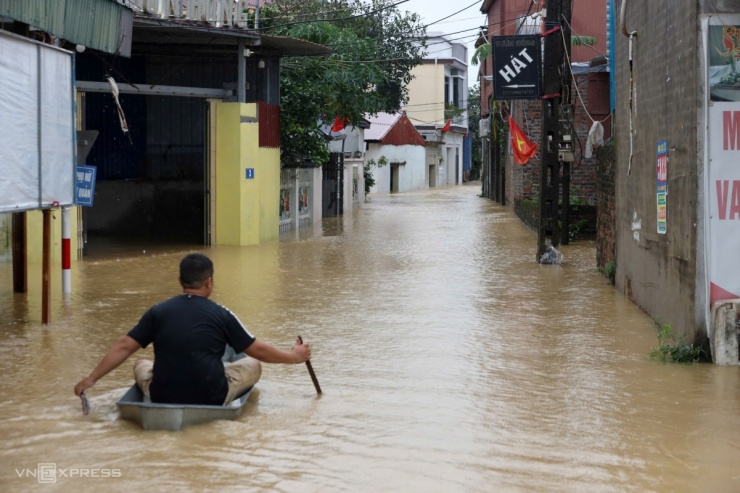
579	36
458	20
447	17
507	22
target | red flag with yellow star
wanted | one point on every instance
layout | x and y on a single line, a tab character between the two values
523	148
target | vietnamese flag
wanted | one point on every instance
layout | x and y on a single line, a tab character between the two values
523	148
339	124
446	128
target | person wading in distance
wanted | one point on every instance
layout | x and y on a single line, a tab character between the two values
190	334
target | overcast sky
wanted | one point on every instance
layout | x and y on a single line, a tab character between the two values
461	27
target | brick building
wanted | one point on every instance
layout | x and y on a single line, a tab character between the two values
514	185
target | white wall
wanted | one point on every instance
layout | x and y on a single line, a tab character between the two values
450	170
353	147
411	176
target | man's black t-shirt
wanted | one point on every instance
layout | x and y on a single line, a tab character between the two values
190	334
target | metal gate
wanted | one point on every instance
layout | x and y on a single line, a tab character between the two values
333	185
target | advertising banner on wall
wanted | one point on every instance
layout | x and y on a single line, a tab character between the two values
722	165
661	181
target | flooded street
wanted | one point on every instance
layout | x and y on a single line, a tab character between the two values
450	362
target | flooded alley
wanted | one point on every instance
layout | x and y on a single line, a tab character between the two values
450	362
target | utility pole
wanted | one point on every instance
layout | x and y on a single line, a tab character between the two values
557	133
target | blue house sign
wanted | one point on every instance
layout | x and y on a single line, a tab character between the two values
85	185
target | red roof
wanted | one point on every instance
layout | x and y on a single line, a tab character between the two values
393	129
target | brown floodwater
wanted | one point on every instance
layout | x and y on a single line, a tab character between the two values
450	362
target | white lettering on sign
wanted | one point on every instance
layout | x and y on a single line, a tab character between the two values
509	72
85	193
84	176
726	203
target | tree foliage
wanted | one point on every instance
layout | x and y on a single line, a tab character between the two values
473	125
374	45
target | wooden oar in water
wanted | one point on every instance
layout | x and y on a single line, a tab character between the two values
85	404
310	371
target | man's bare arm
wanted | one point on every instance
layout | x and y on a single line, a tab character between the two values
118	353
266	353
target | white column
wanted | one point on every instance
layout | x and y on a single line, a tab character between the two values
315	198
294	199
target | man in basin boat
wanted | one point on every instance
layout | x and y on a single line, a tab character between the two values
190	334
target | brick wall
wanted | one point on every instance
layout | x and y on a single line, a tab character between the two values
523	181
605	218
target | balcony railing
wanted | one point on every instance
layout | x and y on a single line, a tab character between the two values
218	13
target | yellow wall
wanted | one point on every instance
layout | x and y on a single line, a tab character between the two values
35	236
246	209
427	94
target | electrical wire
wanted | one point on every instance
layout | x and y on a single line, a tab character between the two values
511	22
461	10
525	15
630	35
579	36
567	57
503	23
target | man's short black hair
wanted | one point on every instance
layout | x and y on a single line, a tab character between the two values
195	268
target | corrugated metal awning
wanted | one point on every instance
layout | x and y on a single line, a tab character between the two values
294	46
104	25
203	36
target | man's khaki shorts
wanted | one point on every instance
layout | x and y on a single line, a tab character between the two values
240	374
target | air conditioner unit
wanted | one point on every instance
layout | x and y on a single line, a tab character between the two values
484	127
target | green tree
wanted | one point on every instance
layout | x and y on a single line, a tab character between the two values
474	128
374	49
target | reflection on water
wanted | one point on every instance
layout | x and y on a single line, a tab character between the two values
449	361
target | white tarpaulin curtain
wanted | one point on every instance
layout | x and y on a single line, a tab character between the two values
37	126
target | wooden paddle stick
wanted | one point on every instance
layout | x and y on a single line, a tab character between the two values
310	371
85	404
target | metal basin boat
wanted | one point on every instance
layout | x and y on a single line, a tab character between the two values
134	406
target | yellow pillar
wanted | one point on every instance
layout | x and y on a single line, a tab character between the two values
247	178
35	236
